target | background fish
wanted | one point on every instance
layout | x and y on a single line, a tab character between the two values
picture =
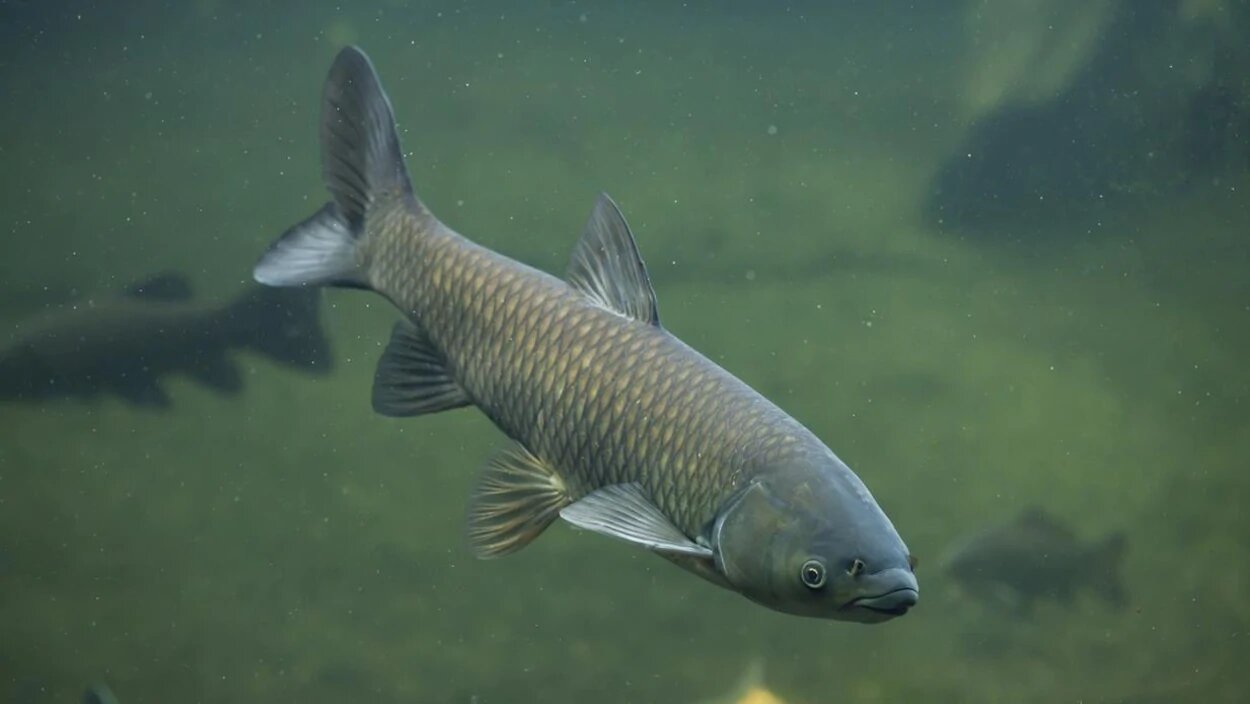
124	345
99	694
1033	557
621	428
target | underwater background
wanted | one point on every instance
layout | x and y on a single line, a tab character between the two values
995	254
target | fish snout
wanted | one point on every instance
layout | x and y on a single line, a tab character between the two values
897	602
891	592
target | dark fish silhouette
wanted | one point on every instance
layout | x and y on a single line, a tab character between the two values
124	345
99	694
621	428
1034	557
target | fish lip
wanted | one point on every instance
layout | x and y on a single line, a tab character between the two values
895	602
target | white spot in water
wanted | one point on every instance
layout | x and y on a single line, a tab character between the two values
772	130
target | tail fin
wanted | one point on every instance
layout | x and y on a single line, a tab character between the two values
1110	555
284	325
362	166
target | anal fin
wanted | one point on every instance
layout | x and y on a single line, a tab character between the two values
412	378
516	498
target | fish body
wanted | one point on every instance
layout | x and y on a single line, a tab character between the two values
599	396
1033	557
125	345
619	427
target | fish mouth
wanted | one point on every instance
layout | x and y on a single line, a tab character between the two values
893	603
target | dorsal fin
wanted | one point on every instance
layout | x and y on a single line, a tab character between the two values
167	286
606	266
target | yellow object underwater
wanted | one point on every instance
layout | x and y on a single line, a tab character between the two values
759	695
750	689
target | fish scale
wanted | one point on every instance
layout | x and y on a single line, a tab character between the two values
620	428
510	331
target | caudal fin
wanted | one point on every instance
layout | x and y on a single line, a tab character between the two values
1110	554
363	168
284	325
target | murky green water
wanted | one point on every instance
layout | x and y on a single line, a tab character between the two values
994	255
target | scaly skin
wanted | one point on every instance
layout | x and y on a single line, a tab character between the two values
605	404
601	398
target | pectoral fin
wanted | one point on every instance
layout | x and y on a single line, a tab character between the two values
701	565
625	512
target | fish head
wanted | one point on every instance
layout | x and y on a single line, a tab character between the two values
812	541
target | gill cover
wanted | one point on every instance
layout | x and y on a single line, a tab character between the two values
743	535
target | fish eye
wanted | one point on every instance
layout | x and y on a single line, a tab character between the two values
912	562
856	566
813	574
